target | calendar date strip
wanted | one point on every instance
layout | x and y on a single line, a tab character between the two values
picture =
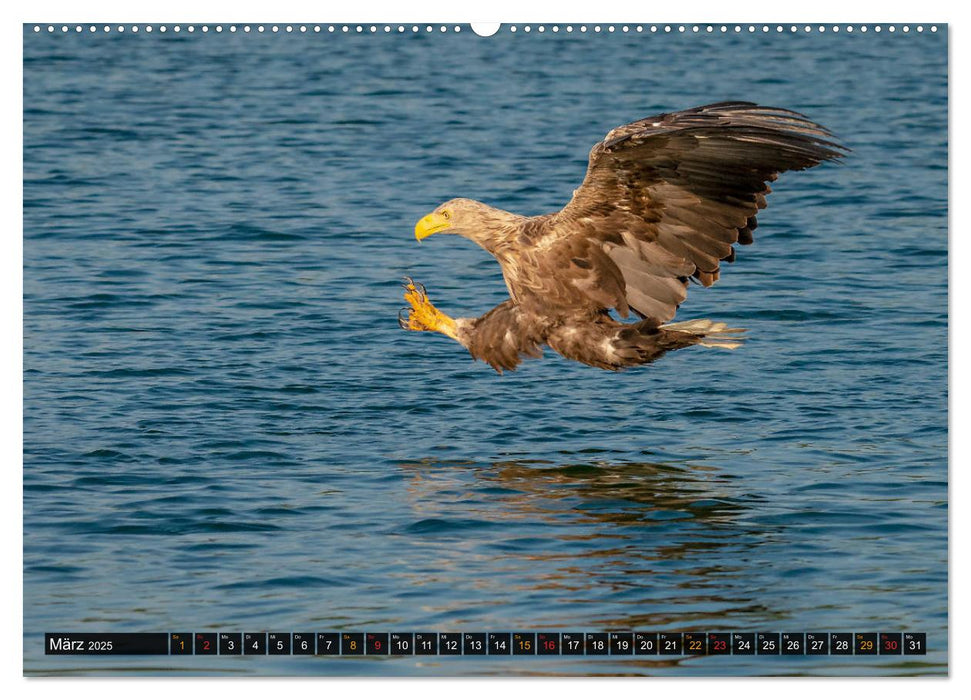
488	643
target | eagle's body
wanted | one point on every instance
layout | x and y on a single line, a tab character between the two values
663	202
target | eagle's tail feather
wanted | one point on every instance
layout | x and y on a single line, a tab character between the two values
713	334
612	345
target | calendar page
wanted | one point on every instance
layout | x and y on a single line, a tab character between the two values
394	349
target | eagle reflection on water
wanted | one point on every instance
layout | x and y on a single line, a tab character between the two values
659	540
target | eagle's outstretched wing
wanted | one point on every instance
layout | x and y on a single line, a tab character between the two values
666	197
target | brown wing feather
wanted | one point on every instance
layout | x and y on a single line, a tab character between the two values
667	197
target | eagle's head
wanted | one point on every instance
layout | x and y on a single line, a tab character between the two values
474	220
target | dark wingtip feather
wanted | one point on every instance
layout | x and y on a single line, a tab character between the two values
786	127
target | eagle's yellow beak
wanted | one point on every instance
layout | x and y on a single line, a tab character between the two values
433	223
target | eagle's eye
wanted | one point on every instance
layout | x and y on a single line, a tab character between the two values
446	214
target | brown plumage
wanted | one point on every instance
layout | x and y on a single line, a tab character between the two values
664	201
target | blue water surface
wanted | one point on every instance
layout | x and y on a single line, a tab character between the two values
225	429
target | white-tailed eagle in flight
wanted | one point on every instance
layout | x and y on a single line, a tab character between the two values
664	201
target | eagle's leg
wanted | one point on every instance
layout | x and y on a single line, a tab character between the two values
423	316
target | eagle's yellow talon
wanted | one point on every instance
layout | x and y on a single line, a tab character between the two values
423	316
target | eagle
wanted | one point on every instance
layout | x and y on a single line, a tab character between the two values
664	202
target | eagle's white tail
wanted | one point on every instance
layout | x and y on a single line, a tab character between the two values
715	335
